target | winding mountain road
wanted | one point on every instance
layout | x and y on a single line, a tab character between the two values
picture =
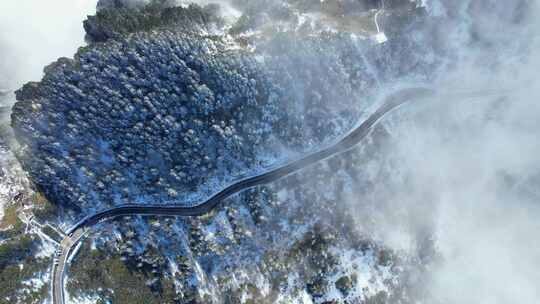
75	234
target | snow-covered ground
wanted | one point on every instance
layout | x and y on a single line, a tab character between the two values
12	179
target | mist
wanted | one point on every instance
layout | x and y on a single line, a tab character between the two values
35	33
464	175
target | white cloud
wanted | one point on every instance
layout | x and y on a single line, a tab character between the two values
471	166
34	33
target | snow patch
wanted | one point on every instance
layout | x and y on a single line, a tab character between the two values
379	38
88	299
47	249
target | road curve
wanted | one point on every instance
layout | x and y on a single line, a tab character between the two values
346	143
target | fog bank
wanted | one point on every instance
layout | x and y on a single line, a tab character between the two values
464	170
35	33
